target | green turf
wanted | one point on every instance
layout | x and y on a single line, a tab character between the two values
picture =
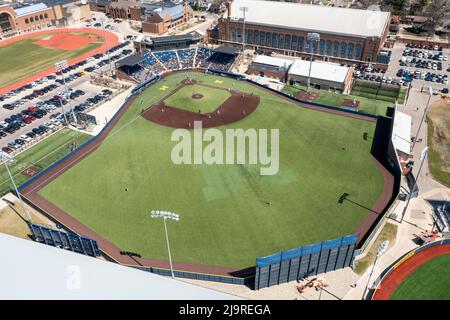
224	219
212	98
22	59
333	99
40	155
430	281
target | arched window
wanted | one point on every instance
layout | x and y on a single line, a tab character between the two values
314	47
358	52
27	21
287	41
350	51
343	49
300	44
274	40
31	19
335	48
321	45
294	42
41	17
45	16
256	37
36	18
328	49
268	39
233	35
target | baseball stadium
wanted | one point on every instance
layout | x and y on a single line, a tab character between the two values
330	182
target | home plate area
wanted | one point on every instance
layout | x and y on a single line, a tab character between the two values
31	171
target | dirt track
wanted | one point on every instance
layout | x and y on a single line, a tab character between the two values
405	269
30	193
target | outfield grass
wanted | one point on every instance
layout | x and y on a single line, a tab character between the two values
224	218
333	99
212	98
40	155
22	59
430	281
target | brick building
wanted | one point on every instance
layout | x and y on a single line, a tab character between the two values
26	18
346	35
155	17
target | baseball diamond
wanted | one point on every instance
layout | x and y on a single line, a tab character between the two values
226	218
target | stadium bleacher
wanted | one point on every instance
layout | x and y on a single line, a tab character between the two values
169	59
154	63
68	241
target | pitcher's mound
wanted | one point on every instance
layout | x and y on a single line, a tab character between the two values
197	96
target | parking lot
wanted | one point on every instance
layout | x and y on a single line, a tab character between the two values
421	67
38	108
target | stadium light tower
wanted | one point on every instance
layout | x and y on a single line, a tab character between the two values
312	37
244	10
60	66
166	215
423	155
5	158
106	45
430	92
381	249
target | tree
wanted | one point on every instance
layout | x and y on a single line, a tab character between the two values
436	11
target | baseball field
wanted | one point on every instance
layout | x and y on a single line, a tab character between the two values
431	281
31	54
229	214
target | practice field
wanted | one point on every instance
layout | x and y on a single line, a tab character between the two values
225	218
26	57
39	157
197	97
430	282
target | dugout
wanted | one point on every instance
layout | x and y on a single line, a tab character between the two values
127	67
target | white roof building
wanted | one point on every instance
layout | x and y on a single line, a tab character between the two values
314	18
30	270
273	61
34	8
320	70
401	132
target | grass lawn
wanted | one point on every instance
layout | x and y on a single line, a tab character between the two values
212	98
389	232
334	99
40	155
430	282
224	218
438	140
22	59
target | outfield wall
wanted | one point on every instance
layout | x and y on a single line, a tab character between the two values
302	262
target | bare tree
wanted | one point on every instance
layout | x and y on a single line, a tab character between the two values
436	10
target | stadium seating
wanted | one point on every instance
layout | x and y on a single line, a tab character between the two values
68	241
155	63
169	59
187	57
